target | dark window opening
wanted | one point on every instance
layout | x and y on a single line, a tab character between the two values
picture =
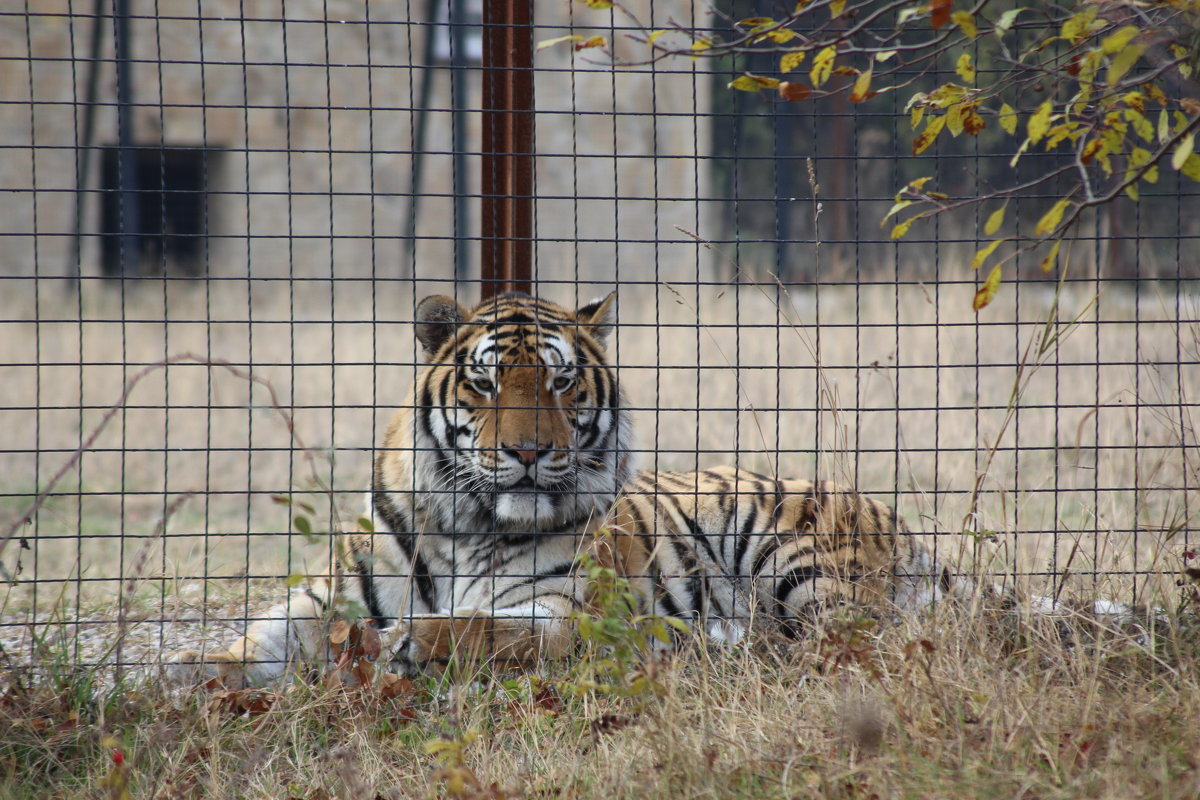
167	220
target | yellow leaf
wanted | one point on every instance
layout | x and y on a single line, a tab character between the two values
655	36
1051	218
994	221
964	68
790	61
862	85
1020	152
592	41
973	123
917	113
1191	167
1140	124
918	184
988	290
599	5
781	35
542	45
947	95
965	23
1078	26
984	252
954	119
1039	122
896	208
1183	150
1065	130
1135	100
1123	62
902	228
836	8
756	22
885	55
1051	257
822	66
929	135
753	83
1008	118
1115	42
1164	126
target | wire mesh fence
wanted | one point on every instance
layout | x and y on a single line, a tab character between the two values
221	218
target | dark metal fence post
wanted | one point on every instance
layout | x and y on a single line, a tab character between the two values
127	155
458	135
506	236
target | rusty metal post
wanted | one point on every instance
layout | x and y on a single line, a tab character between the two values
506	256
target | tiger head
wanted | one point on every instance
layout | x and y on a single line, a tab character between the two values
518	420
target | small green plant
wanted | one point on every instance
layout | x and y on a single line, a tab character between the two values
618	643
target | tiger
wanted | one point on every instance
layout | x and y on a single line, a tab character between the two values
512	462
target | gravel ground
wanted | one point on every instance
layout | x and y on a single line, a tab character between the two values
100	639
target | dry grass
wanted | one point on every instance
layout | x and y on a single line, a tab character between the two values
929	708
1100	452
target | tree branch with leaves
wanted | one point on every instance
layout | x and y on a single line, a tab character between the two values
1108	86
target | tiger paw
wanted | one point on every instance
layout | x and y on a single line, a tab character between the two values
188	668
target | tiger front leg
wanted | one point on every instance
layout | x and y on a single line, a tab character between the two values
509	640
293	633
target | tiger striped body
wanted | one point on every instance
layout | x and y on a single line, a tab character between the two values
511	459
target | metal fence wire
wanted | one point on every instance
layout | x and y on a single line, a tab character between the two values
219	219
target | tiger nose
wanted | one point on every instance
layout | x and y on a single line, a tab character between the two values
527	454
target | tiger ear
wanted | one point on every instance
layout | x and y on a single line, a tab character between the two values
599	315
437	318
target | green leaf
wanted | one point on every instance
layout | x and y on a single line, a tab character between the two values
1005	22
544	43
1039	122
294	580
982	254
988	291
994	221
1008	119
1051	218
899	206
303	525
